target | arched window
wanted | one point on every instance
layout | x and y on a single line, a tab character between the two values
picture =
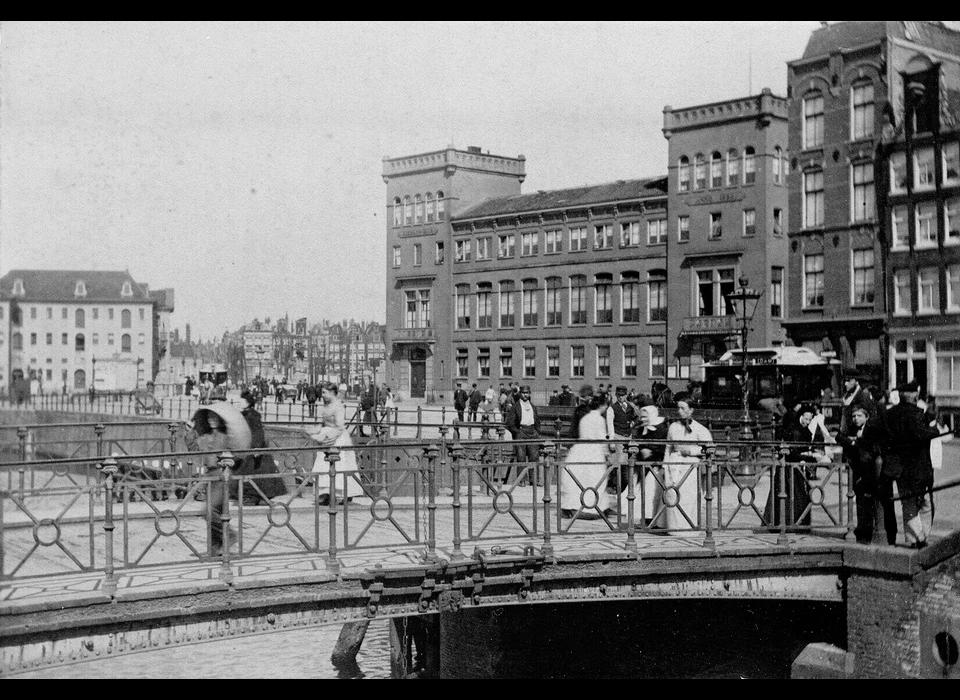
431	207
749	166
80	379
80	318
733	168
777	166
716	169
683	174
127	290
125	318
17	341
80	344
578	299
440	206
125	342
529	304
18	288
80	290
407	211
699	172
397	212
418	209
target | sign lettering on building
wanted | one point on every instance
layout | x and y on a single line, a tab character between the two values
721	198
416	232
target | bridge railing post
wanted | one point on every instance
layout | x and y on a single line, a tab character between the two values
848	482
707	465
782	467
108	468
456	455
633	449
431	452
225	461
419	422
332	455
22	433
443	449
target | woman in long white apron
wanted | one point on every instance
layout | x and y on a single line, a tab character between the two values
583	474
331	430
681	480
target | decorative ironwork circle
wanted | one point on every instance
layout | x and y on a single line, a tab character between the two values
497	501
816	495
594	497
746	502
671	496
41	532
166	516
61	470
283	509
381	509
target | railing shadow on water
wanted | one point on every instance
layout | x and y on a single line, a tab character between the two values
430	498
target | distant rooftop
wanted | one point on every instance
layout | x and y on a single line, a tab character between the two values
847	35
587	195
62	285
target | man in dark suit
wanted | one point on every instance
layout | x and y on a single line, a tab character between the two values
460	401
523	422
908	462
864	443
855	396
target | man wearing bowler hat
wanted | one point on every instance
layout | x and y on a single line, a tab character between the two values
620	420
523	422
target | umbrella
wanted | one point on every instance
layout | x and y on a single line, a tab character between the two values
238	432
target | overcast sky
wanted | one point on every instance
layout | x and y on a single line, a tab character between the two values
241	164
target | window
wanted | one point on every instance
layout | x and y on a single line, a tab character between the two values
899	229
125	345
95	313
951	221
861	102
630	297
951	163
656	231
603	236
431	206
630	234
630	361
407	211
733	168
18	288
901	292
64	339
461	251
126	290
861	266
683	229
397	212
749	166
79	319
484	305
483	362
658	360
49	313
813	199
79	343
440	206
483	248
33	338
749	222
813	280
953	287
418	254
898	173
64	313
778	166
49	338
603	360
507	303
656	298
462	295
776	292
507	246
713	286
438	253
926	223
109	338
529	362
603	298
699	172
141	339
33	313
506	362
529	303
576	361
141	314
716	169
529	243
863	192
683	174
924	176
79	379
948	366
928	290
578	300
552	302
813	121
777	221
396	256
418	209
716	225
463	360
553	360
418	308
554	241
578	238
17	341
125	318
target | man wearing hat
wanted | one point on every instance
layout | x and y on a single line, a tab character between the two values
908	463
460	401
620	420
854	397
523	422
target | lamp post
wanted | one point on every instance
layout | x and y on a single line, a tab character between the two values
744	301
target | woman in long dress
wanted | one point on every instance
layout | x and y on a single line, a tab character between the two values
678	497
583	475
331	430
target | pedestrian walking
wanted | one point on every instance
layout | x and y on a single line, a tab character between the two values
583	474
332	431
523	422
474	402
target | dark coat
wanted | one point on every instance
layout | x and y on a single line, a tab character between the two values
257	465
861	400
656	432
863	452
908	456
511	418
460	399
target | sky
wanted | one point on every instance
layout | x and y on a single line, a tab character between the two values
241	163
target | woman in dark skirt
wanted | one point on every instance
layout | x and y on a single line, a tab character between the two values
257	491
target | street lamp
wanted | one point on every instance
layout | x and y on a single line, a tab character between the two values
744	301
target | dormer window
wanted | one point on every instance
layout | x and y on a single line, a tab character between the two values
127	290
18	288
80	290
